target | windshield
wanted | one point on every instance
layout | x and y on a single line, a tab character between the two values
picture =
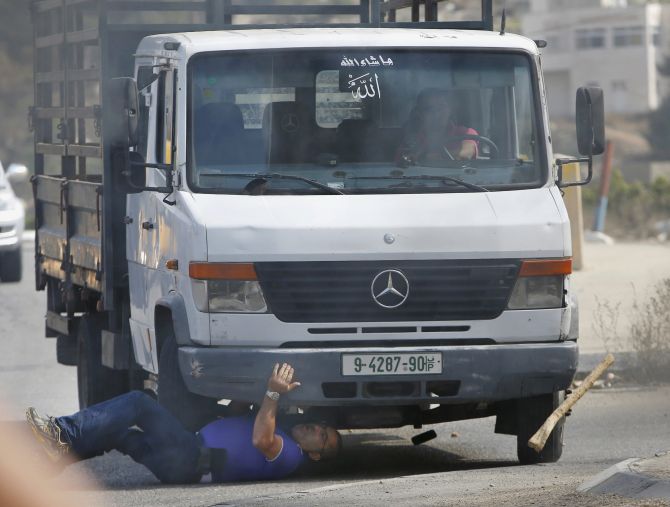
362	121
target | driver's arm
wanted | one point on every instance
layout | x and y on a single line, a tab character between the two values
468	150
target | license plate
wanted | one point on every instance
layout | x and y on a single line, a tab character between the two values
391	364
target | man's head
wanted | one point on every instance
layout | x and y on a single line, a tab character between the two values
433	108
317	440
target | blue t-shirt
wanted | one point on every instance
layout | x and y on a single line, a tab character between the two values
243	461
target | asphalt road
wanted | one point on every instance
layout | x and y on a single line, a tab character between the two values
467	465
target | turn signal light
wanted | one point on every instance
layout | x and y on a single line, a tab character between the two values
546	267
222	271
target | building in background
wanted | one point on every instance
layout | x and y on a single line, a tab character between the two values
614	44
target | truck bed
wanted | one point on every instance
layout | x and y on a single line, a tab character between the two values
69	230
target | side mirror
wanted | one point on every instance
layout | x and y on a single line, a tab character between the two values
590	120
137	172
17	173
122	125
130	169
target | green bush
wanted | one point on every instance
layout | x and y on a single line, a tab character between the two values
590	195
632	207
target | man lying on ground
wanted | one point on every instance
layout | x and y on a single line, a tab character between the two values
232	449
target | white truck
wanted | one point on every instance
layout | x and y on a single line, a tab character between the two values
275	193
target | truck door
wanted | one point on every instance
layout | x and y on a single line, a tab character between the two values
143	237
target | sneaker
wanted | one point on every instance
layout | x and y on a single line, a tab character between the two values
48	434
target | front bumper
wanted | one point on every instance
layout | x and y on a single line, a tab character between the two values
470	374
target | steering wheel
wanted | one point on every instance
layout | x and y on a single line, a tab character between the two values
493	148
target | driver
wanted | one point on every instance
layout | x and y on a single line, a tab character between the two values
431	134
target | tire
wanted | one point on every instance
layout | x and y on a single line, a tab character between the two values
95	382
192	410
66	350
532	412
10	266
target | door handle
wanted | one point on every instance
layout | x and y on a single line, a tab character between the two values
148	225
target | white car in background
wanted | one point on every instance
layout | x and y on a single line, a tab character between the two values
12	219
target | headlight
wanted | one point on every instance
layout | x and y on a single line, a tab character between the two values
537	292
223	291
540	284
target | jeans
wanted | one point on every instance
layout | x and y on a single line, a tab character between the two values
136	425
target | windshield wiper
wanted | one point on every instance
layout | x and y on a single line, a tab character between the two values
471	186
279	176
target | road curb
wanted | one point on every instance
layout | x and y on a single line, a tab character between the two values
621	479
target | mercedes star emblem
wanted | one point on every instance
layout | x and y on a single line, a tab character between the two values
390	288
289	122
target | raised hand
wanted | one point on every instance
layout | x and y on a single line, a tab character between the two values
281	380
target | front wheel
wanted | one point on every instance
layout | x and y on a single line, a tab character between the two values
192	410
531	413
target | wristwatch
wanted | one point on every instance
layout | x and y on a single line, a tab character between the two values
272	395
